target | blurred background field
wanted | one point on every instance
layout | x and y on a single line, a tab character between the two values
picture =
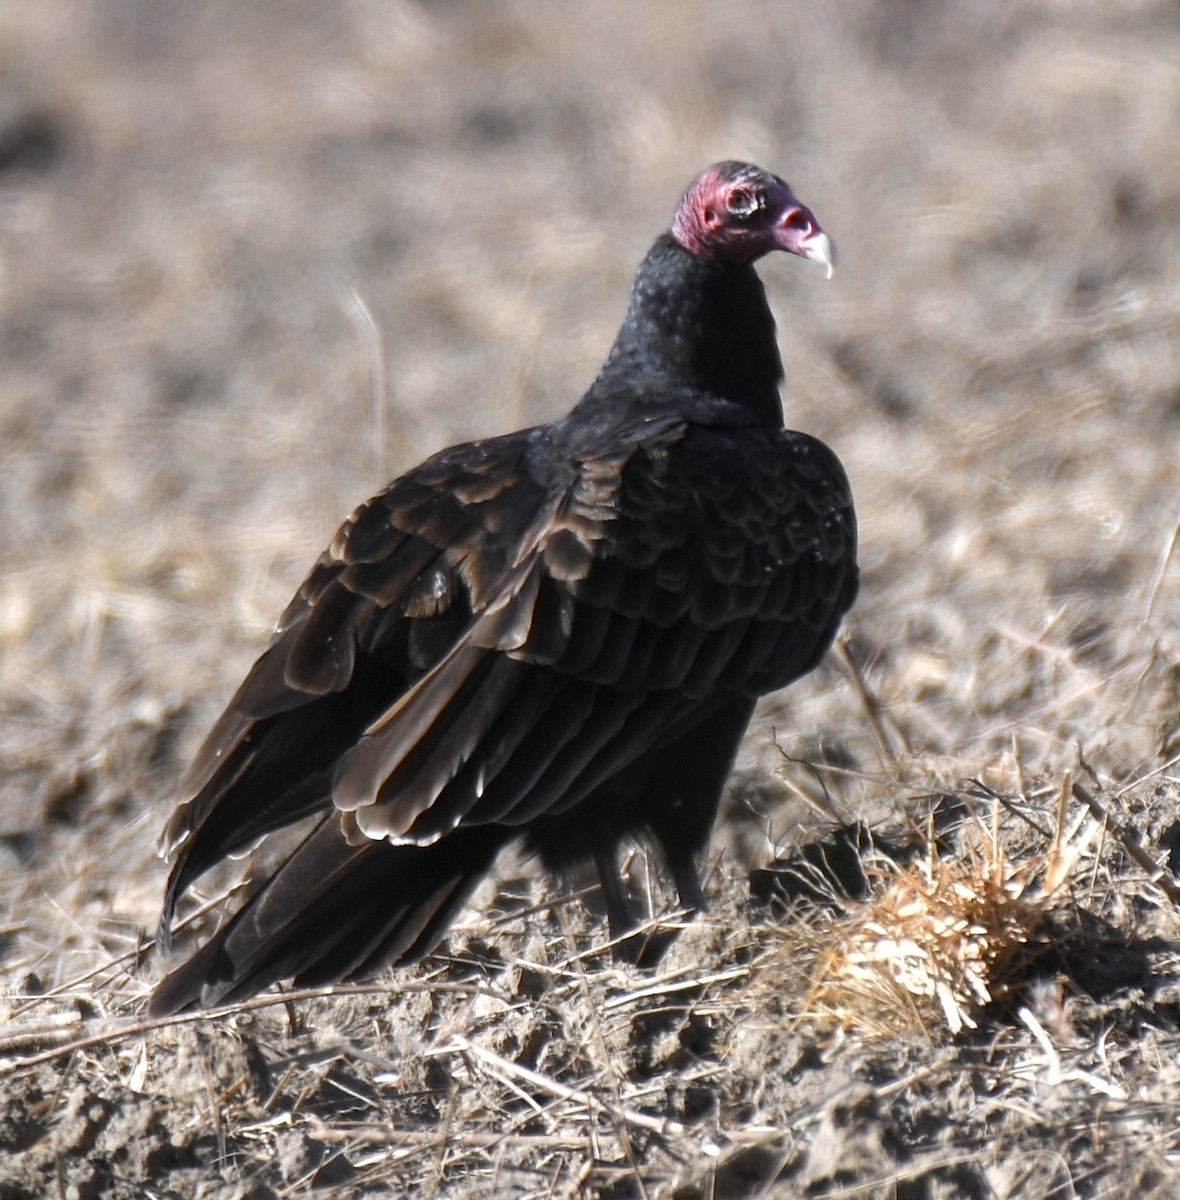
255	259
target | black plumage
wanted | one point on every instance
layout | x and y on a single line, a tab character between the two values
558	634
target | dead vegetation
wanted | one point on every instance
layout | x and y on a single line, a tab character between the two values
944	935
253	259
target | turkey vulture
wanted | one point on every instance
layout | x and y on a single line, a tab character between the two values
557	635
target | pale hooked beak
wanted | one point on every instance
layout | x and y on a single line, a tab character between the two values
798	232
821	249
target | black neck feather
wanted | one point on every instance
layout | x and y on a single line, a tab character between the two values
701	326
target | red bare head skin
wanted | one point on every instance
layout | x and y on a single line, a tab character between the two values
737	212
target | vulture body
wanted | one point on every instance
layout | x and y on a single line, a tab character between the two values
557	635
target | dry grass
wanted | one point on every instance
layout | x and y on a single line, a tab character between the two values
254	259
945	934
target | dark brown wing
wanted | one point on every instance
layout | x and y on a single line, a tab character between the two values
400	586
508	626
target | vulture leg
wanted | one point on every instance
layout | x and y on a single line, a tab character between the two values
685	792
619	912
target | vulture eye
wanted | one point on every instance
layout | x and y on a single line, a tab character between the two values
743	202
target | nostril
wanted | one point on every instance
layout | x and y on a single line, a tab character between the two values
798	218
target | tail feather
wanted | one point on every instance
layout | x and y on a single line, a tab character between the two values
331	911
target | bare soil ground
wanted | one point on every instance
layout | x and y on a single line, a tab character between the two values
256	258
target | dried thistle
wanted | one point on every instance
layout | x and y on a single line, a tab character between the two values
946	934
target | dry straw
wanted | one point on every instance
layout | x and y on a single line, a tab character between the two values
948	932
